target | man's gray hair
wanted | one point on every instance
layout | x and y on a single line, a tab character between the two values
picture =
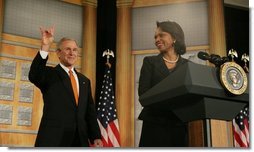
63	40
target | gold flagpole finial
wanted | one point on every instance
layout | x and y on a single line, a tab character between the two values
108	53
232	53
245	58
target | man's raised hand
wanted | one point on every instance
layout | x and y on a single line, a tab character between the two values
47	37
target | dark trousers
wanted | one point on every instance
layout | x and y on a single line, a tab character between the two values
163	135
70	138
76	140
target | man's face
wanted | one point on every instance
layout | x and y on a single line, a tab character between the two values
163	40
68	53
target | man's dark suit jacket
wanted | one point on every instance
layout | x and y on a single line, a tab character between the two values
152	72
61	116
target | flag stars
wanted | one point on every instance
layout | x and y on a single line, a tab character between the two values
241	125
106	110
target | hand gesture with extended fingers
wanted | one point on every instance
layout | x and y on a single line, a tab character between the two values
47	37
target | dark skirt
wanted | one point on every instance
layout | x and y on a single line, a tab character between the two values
163	135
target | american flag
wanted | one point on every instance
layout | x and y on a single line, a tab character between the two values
241	128
106	113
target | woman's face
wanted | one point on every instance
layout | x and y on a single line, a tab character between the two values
163	40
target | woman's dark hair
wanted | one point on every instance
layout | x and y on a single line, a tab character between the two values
176	32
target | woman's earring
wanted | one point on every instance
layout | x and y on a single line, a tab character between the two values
174	43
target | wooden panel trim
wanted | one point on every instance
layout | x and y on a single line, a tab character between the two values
31	59
19	131
1	20
148	3
82	2
17	139
132	100
27	42
15	145
23	40
76	2
91	3
196	133
221	136
124	3
23	45
155	51
230	133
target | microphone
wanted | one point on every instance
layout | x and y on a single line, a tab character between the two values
216	60
224	59
203	55
213	58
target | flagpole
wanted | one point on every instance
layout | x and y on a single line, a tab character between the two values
106	108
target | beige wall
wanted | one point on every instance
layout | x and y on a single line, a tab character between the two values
22	50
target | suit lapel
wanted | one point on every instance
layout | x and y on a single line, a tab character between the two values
82	88
66	81
161	66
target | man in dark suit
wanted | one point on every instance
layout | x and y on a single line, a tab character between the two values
69	117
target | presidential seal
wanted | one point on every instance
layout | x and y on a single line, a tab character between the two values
233	78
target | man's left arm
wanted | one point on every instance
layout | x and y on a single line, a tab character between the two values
91	118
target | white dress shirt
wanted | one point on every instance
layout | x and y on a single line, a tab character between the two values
44	55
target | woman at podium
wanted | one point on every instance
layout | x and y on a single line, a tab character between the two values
162	128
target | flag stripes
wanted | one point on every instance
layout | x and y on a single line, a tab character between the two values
106	113
241	129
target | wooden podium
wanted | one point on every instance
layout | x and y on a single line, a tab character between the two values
194	93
